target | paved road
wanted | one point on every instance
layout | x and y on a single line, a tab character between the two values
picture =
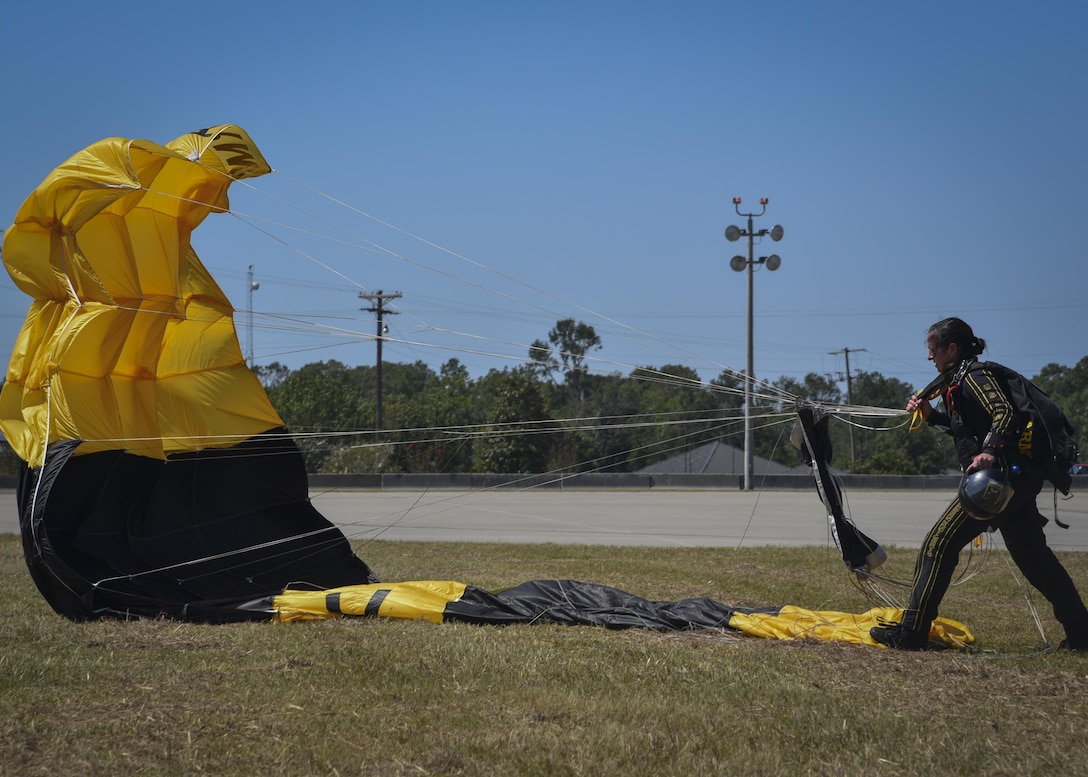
651	518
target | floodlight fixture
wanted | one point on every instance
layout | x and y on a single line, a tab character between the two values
773	262
733	233
777	232
738	263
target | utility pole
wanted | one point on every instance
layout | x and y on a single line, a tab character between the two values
849	388
378	300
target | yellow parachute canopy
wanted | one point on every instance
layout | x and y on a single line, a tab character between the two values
129	342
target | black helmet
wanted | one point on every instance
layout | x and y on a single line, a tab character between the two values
985	493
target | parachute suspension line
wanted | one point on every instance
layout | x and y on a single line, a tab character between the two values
442	330
771	393
868	584
393	524
532	481
466	431
525	483
300	252
779	395
41	469
392	254
759	491
69	249
645	374
479	265
552	477
1028	598
871	583
250	220
841	418
214	557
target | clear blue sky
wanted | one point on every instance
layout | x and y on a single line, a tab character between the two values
579	159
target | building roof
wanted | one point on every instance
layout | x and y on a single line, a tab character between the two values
714	458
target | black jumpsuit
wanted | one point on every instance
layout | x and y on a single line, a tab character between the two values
980	417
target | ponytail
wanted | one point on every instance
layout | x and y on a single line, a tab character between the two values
956	330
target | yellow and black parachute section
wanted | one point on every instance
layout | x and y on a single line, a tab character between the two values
158	480
575	603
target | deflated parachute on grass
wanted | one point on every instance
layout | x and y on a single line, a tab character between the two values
157	478
574	603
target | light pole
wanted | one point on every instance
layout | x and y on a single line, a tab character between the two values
251	286
739	263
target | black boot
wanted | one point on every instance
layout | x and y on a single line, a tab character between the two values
899	638
1074	645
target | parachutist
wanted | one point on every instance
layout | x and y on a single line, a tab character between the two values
977	412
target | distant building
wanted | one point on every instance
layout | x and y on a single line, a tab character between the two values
716	458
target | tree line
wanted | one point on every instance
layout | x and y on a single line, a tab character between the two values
552	414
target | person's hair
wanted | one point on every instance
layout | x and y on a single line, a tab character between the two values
956	330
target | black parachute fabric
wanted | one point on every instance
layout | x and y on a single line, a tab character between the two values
575	603
112	534
859	552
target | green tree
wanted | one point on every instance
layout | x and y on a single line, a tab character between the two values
271	375
511	441
881	448
1068	387
574	340
728	390
673	409
448	409
609	446
886	462
542	361
773	419
320	402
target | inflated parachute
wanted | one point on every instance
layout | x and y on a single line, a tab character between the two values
157	478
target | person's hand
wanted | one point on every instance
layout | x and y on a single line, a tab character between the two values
981	461
917	404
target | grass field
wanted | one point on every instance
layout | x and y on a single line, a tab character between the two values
367	697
